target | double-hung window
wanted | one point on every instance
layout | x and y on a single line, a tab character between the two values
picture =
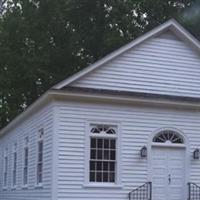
5	170
40	156
26	154
102	160
14	171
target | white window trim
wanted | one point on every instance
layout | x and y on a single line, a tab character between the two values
26	145
14	150
117	183
39	185
5	154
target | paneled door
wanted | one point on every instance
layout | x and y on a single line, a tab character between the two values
168	173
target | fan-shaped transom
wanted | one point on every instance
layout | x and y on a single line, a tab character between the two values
168	136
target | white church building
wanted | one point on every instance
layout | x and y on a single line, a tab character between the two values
125	128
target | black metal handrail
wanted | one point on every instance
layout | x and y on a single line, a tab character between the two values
143	192
193	191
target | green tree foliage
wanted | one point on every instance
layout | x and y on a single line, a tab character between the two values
190	18
45	41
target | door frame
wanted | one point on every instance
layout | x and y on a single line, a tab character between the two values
185	146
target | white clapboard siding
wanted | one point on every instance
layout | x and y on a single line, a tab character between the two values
137	124
160	65
29	127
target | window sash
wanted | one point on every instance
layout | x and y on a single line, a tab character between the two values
103	154
40	162
14	168
39	173
14	177
25	179
25	170
5	179
5	175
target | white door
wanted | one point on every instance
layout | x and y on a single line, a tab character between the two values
168	173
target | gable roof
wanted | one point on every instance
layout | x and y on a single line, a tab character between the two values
171	25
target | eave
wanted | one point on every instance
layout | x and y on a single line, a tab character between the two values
109	97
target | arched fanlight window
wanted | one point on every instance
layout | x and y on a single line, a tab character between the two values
168	136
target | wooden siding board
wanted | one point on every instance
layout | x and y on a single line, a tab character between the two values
43	118
137	124
160	65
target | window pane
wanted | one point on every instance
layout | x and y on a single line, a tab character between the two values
99	154
112	155
92	176
112	144
105	176
25	175
14	178
105	166
95	130
6	163
100	143
39	168
40	157
106	154
99	166
26	161
111	131
40	146
93	154
112	166
111	177
39	178
93	143
26	152
99	176
5	179
92	165
39	172
106	144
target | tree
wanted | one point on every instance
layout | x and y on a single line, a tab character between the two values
45	41
190	18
